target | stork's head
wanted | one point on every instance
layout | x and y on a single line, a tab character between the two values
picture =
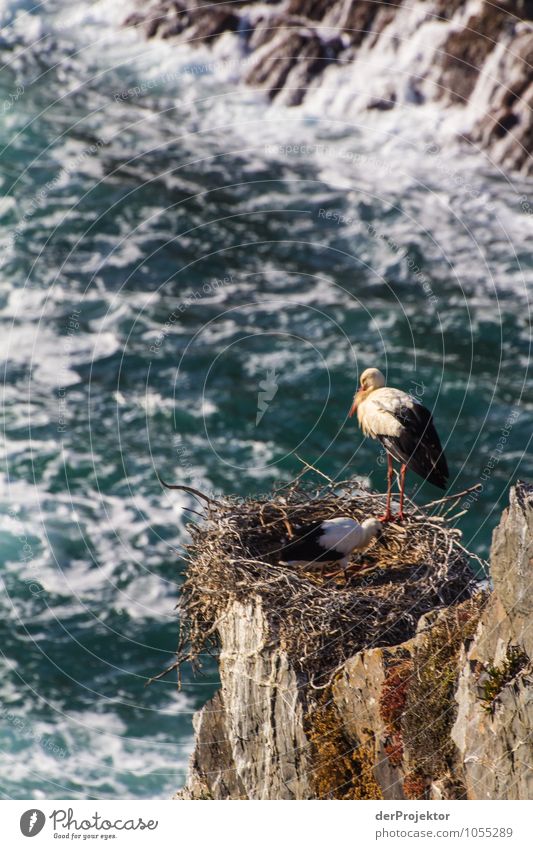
371	379
373	526
374	530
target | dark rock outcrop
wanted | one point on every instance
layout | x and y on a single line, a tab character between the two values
274	67
447	714
475	58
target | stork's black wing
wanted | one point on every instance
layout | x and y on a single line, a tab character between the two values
306	547
418	444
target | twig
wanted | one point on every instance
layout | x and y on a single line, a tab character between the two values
455	496
313	469
190	489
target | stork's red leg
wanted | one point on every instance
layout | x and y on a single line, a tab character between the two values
390	472
402	489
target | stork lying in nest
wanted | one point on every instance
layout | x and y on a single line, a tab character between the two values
330	542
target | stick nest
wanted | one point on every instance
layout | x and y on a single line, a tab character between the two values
319	620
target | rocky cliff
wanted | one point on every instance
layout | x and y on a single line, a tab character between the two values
445	714
493	731
472	59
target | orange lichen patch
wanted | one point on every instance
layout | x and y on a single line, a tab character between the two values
392	705
340	769
415	786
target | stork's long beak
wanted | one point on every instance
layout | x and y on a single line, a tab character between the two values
355	403
381	537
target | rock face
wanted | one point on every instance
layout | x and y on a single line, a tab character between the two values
494	735
473	57
447	714
250	739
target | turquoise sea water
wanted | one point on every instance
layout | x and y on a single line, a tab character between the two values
172	247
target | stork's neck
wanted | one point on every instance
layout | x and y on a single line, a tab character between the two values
358	537
368	531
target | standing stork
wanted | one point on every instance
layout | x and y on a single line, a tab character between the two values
405	429
330	541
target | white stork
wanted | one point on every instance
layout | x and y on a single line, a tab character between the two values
405	429
330	541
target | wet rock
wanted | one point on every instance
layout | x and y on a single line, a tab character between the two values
504	103
207	24
354	19
382	103
134	20
464	51
288	61
315	10
267	27
473	56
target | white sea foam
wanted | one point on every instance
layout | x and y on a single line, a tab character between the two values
107	549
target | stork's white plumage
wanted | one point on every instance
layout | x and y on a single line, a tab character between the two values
330	541
406	430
